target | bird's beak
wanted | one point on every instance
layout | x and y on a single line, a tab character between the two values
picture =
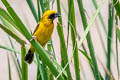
57	15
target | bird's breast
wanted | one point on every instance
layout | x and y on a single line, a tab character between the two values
43	34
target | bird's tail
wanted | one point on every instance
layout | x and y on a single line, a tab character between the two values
29	57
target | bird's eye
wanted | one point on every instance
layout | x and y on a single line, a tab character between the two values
52	16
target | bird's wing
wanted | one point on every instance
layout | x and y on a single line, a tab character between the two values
36	28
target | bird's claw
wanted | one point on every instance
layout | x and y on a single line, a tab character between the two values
51	55
33	38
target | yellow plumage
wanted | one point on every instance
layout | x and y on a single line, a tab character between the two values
43	32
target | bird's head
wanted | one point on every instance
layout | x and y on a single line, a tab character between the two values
50	15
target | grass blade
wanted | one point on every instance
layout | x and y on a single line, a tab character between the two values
5	15
50	75
109	37
42	6
83	46
38	74
100	16
42	68
117	55
32	8
46	4
118	33
17	20
60	68
63	49
85	54
117	6
117	59
9	49
38	5
71	18
19	40
101	38
24	65
9	68
17	67
50	48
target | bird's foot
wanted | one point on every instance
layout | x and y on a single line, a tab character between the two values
33	38
51	55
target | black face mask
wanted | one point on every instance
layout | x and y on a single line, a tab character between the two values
53	16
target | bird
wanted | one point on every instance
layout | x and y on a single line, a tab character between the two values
43	32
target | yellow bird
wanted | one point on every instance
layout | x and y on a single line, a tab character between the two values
42	32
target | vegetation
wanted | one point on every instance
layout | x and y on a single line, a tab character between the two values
51	69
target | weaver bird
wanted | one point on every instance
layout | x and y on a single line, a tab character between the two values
42	32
